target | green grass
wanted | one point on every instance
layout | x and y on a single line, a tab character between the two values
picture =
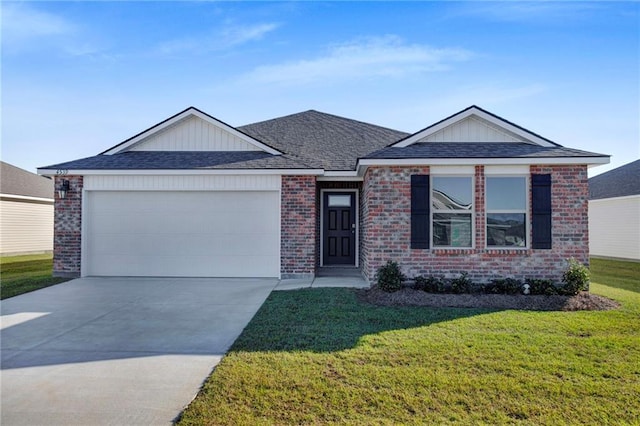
320	356
615	273
22	274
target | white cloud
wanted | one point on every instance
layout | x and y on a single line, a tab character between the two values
366	58
228	37
528	11
22	23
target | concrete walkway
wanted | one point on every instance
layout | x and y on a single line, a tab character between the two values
318	282
118	351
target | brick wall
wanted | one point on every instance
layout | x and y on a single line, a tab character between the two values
67	228
386	229
298	226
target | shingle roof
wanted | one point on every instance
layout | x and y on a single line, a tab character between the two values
181	160
323	140
619	182
16	181
477	150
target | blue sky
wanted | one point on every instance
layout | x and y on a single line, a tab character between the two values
80	77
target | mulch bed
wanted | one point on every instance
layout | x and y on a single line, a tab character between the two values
584	301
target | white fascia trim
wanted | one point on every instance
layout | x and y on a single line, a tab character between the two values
343	175
478	113
363	164
159	172
26	198
326	178
185	114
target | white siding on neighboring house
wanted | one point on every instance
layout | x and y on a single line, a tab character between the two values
26	226
193	134
614	227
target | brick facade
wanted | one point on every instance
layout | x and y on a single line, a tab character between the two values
386	229
298	227
67	228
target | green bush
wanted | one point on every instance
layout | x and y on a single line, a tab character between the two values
575	278
430	284
542	286
504	286
462	284
389	277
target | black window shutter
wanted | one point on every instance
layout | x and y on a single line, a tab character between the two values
420	212
541	211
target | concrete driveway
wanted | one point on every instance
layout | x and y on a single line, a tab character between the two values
119	351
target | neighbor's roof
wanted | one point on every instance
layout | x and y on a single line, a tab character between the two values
16	181
478	150
620	182
323	140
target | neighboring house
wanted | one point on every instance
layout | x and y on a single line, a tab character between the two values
193	196
614	213
26	212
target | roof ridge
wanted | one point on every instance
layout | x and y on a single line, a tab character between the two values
325	114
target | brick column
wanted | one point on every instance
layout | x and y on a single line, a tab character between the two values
67	228
298	227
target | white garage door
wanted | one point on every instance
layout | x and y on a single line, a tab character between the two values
186	234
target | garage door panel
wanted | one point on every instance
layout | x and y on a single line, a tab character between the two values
226	234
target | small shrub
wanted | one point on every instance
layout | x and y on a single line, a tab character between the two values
429	284
389	277
504	286
542	286
462	284
575	278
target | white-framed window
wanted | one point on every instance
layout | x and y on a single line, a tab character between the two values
506	211
452	207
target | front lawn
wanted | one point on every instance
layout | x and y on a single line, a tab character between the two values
321	356
22	274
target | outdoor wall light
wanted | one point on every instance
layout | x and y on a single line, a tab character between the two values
63	189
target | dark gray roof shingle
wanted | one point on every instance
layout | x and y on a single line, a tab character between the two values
619	182
182	160
16	181
477	150
323	140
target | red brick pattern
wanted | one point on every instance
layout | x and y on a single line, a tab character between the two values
298	226
67	228
386	229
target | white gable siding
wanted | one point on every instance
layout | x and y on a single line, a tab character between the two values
25	227
614	227
471	129
193	134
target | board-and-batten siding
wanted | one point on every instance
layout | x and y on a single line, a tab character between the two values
26	227
183	183
471	130
614	227
194	134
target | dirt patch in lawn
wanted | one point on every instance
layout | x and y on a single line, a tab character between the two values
584	301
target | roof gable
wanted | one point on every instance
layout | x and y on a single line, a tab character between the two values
474	124
191	130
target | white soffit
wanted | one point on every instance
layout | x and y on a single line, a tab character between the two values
474	125
191	130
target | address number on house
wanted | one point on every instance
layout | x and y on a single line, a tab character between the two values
62	172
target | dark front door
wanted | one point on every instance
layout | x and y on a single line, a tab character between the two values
339	228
